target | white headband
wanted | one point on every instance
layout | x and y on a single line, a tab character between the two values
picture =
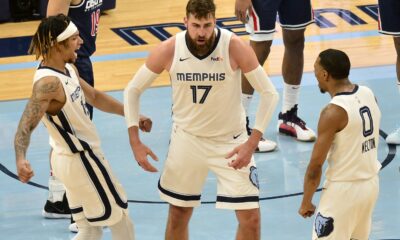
68	32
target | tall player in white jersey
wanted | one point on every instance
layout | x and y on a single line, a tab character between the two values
208	132
59	95
348	137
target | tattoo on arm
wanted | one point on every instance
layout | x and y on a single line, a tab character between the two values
34	110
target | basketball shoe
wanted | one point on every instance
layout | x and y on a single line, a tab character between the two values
58	209
394	137
290	124
264	145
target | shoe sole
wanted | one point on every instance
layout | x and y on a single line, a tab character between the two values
289	131
258	151
55	215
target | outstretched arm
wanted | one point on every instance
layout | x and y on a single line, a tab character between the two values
158	60
101	100
333	119
243	57
44	91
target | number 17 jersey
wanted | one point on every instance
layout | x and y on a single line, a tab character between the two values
206	91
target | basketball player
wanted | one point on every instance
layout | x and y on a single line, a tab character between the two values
85	14
348	137
294	16
208	132
389	24
59	95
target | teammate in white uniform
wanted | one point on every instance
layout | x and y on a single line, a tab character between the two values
96	197
208	133
348	129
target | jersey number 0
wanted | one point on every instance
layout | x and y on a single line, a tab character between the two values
368	125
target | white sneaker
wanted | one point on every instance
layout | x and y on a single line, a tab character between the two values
265	145
394	137
290	124
73	228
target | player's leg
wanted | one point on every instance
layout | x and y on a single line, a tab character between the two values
368	192
182	180
389	24
336	212
178	222
249	224
88	232
294	16
394	137
237	189
261	27
124	229
57	204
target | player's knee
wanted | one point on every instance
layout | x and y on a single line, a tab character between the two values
251	220
294	40
178	215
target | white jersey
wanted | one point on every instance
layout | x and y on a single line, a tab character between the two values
71	130
354	152
206	91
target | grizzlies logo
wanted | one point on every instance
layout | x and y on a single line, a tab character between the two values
254	177
323	225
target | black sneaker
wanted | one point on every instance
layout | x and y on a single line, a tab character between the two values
56	210
264	145
290	124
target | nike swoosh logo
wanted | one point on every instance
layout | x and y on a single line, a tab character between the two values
236	136
183	59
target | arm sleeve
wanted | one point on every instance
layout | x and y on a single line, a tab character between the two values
140	82
260	81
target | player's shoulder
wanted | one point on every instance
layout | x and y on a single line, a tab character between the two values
166	47
47	85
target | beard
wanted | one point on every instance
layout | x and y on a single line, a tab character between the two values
200	49
322	90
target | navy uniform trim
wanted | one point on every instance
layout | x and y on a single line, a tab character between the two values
348	93
76	210
65	135
110	184
238	199
177	195
99	188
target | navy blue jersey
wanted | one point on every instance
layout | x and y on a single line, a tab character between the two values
86	16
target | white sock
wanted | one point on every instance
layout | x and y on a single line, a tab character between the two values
246	100
56	190
290	96
124	229
87	232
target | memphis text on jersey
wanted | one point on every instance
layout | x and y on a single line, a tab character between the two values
368	145
200	77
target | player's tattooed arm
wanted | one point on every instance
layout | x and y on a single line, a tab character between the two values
44	91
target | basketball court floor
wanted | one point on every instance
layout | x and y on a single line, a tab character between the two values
280	173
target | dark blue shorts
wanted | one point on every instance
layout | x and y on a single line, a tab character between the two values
389	17
85	69
293	14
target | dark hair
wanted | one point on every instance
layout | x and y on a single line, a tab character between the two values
335	62
200	8
46	35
